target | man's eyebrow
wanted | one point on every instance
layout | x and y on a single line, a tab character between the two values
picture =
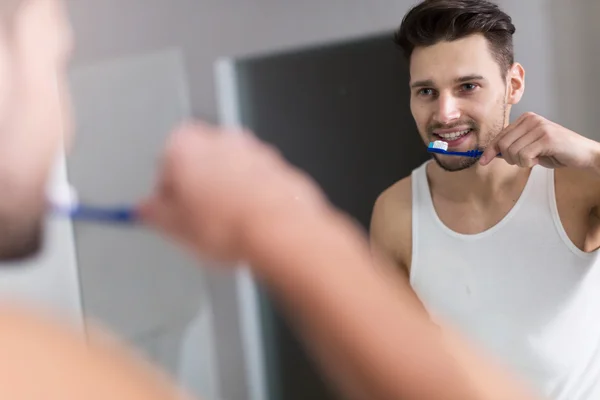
461	79
467	78
423	83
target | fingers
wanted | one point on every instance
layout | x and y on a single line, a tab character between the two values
169	220
154	212
161	210
525	150
530	155
214	180
489	154
493	148
512	139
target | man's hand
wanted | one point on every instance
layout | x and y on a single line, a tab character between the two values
228	196
533	140
217	185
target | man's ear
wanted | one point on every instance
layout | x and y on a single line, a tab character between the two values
516	83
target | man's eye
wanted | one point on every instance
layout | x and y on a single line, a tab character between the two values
426	92
469	87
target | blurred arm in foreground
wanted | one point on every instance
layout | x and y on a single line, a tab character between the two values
228	196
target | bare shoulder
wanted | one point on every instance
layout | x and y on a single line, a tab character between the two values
391	223
67	366
578	202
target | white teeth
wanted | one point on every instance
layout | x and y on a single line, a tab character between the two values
453	135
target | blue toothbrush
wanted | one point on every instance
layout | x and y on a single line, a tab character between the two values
64	203
441	147
80	212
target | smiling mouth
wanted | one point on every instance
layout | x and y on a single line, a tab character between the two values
449	137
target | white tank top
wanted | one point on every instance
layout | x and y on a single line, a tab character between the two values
521	289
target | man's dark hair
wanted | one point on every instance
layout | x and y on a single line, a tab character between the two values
434	21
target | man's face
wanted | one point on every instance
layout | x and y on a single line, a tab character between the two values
458	96
34	120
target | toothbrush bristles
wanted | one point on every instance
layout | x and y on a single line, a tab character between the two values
439	144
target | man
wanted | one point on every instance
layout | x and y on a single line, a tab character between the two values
502	248
227	196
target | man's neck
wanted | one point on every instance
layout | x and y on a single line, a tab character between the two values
477	183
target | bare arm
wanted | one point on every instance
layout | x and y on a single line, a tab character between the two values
230	197
362	326
44	359
391	229
391	237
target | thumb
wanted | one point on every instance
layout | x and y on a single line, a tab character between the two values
145	209
166	218
489	154
154	212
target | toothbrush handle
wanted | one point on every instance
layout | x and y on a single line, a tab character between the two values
471	153
90	213
475	153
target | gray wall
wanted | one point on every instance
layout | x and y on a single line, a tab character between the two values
574	36
551	42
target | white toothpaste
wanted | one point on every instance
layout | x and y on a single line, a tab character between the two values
439	144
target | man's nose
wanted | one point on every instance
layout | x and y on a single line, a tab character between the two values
447	110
